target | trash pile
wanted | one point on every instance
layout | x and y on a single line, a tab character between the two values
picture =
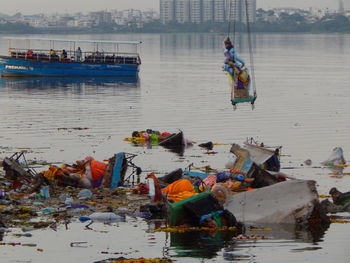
32	200
251	190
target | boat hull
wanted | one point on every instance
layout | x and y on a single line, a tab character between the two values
290	202
13	67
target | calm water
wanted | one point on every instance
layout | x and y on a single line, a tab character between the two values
303	105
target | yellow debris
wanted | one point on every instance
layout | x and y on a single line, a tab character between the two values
340	221
260	229
186	229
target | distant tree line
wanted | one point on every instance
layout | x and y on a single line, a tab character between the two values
285	23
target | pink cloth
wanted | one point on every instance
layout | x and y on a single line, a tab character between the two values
210	180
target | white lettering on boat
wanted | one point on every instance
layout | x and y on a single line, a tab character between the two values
18	67
113	66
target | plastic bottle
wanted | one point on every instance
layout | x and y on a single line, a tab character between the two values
102	217
45	192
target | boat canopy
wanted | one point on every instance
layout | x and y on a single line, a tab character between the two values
76	40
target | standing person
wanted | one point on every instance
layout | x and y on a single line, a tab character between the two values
78	54
231	58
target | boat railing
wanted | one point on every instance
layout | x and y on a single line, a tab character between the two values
71	56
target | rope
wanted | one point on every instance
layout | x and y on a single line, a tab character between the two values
229	18
250	47
234	20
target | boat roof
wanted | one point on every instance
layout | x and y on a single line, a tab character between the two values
77	40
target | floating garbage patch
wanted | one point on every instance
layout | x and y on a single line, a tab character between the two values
250	191
175	142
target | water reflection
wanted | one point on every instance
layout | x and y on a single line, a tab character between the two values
202	244
207	244
310	234
69	82
171	42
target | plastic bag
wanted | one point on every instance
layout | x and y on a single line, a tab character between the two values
231	161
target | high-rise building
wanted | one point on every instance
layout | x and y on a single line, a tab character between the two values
247	6
167	11
341	7
237	10
207	10
198	11
182	11
232	10
219	9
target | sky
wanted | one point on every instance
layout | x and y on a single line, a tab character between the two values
72	6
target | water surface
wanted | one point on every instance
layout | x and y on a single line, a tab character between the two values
303	93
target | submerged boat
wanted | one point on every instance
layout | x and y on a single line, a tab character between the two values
175	142
66	58
290	202
264	156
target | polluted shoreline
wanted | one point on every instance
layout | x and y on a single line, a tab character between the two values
196	201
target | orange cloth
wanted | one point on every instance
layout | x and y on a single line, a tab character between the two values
181	196
98	169
179	187
179	190
52	173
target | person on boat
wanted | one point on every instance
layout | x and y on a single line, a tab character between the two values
78	54
231	58
30	53
52	52
64	54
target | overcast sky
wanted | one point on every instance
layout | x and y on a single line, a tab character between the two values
71	6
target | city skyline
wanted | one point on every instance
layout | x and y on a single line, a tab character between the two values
11	7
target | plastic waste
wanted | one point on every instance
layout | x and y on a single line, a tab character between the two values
207	145
4	202
141	214
77	206
231	161
23	235
240	177
336	158
85	194
48	210
75	211
29	245
122	209
68	201
64	196
2	194
154	138
45	192
152	190
102	217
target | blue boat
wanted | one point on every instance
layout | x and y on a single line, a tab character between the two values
69	60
